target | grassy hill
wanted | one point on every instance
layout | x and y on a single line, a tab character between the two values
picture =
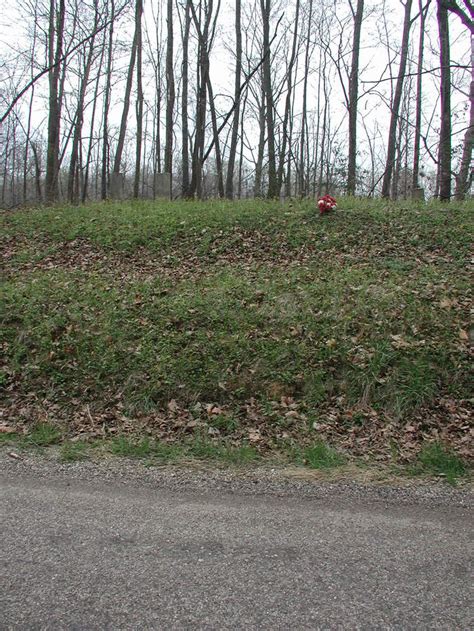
253	324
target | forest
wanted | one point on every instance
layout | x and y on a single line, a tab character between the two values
254	98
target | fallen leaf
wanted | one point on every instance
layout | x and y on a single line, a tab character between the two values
15	456
6	429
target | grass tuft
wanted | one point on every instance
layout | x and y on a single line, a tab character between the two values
321	456
436	459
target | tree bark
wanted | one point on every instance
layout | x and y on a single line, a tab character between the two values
126	101
229	184
184	104
170	91
289	88
445	94
55	43
353	91
139	104
392	135
272	191
107	93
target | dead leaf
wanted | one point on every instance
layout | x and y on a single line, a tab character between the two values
14	455
172	405
254	436
6	429
463	335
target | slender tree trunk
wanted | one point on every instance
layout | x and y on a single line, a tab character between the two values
463	178
354	98
104	180
304	113
27	145
392	135
261	147
72	185
229	184
170	91
445	93
139	104
419	92
55	43
219	170
184	104
241	152
273	191
126	101
289	87
85	182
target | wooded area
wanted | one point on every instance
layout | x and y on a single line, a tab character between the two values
261	98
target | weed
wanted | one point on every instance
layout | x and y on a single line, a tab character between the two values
321	456
437	459
129	447
72	451
43	434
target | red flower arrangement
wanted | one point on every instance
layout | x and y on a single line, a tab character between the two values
326	204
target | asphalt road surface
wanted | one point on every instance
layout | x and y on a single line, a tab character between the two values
91	551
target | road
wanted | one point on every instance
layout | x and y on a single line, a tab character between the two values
83	551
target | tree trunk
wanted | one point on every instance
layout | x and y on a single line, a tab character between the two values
353	98
419	83
289	88
55	43
170	91
273	191
464	177
229	184
139	104
392	135
72	185
445	93
184	104
126	100
105	130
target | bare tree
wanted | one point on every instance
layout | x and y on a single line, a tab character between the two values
229	184
394	118
139	104
444	153
423	11
353	95
128	92
55	52
273	190
170	91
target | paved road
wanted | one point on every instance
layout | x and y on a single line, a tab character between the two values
103	554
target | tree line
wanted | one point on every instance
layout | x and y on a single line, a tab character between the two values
264	98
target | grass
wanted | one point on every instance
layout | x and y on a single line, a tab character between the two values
321	456
436	459
251	307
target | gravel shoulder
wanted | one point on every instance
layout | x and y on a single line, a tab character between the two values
203	478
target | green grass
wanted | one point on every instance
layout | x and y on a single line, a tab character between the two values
321	456
43	435
436	459
74	451
124	307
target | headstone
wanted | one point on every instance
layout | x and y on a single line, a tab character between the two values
117	181
163	185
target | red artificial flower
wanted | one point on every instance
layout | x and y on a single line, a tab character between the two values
326	204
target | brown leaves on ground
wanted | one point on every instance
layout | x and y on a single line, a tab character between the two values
361	432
